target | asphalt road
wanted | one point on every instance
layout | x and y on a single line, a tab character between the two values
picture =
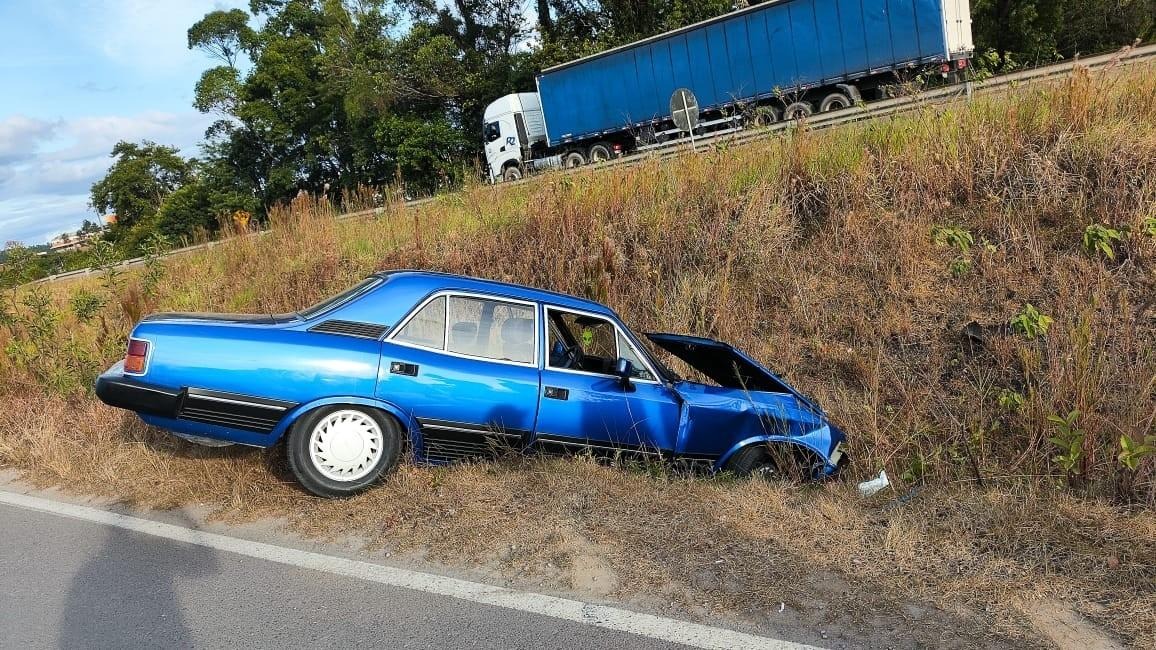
76	584
71	583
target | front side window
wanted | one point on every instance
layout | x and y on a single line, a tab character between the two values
427	328
491	329
626	351
491	131
589	344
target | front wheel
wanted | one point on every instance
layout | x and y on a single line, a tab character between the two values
512	173
776	462
338	451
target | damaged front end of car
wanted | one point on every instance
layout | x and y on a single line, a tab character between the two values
748	417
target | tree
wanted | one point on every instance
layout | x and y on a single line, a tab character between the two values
138	182
223	35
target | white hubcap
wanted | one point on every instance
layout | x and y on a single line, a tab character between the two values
345	445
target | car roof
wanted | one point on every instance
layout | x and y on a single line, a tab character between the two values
438	281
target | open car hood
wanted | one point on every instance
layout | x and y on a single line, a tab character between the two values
725	365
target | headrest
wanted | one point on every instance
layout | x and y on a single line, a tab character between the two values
464	332
517	331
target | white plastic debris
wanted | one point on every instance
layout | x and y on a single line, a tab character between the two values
867	488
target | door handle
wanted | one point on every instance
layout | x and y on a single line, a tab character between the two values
402	368
553	392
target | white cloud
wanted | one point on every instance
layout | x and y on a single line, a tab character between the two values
20	136
44	185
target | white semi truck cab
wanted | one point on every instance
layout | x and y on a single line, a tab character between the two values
511	127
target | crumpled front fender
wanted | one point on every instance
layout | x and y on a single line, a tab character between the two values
821	441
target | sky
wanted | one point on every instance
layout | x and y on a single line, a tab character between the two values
76	76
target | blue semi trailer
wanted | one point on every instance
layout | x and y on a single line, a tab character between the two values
782	59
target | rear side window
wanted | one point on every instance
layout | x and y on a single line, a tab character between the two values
427	328
491	329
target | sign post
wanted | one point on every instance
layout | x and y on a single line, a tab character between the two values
684	112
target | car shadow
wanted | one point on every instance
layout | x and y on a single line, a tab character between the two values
134	430
126	593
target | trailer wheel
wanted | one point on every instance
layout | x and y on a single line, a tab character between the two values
766	116
573	159
834	102
512	173
599	152
798	111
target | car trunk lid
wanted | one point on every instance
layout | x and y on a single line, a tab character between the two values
236	319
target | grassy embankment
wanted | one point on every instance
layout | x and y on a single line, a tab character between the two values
852	260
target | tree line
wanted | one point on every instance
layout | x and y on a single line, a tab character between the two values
325	96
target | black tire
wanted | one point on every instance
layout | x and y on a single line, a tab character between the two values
834	102
798	111
755	459
313	477
573	159
512	173
776	462
766	116
599	152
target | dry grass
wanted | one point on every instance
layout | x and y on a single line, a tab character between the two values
815	253
717	547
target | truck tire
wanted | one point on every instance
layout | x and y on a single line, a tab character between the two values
834	102
798	111
573	159
512	173
766	116
599	152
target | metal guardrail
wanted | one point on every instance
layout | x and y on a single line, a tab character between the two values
874	110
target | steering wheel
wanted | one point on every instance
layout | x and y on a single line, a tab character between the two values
574	355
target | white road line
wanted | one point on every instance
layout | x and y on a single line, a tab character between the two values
654	627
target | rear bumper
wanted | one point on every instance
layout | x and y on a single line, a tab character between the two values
115	389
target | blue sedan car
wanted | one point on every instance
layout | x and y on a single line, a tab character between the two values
450	368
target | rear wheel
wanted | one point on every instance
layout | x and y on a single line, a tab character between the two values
573	159
834	102
798	111
338	451
600	152
512	173
766	116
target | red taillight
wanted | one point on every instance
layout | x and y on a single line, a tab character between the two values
945	68
138	352
962	64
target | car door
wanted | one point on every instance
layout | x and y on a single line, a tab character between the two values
465	367
584	406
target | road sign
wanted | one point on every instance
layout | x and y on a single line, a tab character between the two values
684	109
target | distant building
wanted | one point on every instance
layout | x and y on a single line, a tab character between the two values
75	241
67	242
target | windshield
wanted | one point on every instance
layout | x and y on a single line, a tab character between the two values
339	299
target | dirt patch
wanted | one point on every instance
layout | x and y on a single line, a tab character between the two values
1057	623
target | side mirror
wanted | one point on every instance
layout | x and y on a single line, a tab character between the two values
624	370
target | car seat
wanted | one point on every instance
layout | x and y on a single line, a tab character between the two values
518	339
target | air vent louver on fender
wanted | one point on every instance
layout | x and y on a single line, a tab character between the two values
350	328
